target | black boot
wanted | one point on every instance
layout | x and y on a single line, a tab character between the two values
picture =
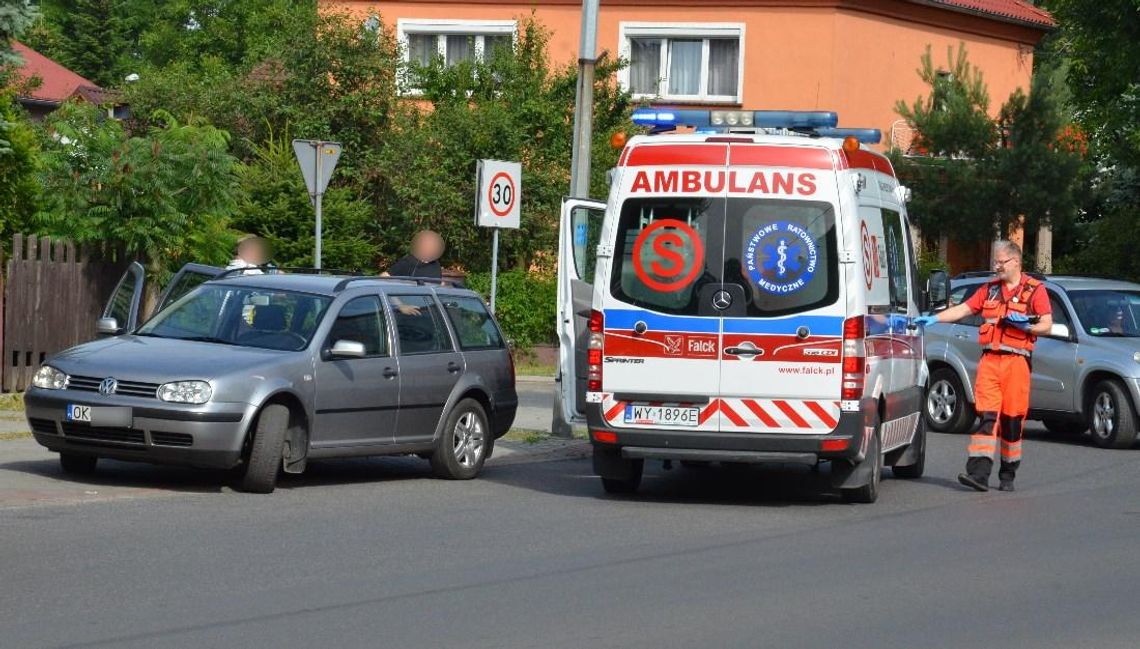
1006	485
977	484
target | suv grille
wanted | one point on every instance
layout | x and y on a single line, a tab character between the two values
82	432
125	388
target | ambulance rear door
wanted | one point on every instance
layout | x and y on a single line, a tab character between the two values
578	236
781	363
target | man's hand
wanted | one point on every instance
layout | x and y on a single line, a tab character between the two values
1018	321
926	320
408	309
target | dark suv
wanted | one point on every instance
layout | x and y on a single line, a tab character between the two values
268	371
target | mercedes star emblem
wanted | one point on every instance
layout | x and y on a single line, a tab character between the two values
722	300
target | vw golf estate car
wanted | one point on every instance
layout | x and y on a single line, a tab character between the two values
1086	375
265	372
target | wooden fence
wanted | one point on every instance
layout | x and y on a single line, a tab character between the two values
52	293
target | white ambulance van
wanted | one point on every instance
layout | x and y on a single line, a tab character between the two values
744	297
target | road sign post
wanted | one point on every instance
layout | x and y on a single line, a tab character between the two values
317	159
499	186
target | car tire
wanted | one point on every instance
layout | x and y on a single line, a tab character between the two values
265	455
947	407
627	485
869	492
73	464
464	444
1112	420
914	471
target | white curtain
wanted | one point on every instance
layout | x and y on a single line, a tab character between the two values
460	47
421	48
685	67
645	66
724	65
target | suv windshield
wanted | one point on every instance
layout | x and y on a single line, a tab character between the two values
1108	313
247	317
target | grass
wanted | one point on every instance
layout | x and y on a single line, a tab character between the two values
531	368
12	401
526	436
4	437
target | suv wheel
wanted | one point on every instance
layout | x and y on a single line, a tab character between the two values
73	464
1111	418
948	410
267	449
464	444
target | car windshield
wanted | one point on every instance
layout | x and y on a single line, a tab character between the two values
246	317
1108	313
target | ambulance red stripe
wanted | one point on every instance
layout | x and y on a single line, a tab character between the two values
780	156
791	413
661	155
612	413
865	160
709	411
731	414
765	418
824	416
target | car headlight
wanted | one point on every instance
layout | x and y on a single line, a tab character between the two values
49	378
186	392
1136	357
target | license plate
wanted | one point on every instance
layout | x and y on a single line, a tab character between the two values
662	415
78	413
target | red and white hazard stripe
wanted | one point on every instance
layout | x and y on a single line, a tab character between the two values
745	415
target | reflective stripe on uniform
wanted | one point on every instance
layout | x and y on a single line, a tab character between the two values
1010	451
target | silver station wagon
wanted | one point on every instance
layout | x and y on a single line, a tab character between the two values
1086	374
267	371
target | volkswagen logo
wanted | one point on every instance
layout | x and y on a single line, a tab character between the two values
108	386
721	300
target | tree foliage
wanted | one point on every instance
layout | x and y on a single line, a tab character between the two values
165	196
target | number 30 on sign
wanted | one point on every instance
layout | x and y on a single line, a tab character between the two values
499	192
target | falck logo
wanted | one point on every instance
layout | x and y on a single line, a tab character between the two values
108	386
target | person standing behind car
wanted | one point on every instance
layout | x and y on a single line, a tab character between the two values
250	253
1007	337
421	262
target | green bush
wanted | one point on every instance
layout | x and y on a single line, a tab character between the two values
525	305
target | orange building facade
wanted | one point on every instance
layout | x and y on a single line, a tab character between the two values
854	57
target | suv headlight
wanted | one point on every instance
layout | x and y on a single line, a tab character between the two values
186	392
49	378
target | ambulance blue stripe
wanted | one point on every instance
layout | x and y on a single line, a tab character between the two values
819	325
627	318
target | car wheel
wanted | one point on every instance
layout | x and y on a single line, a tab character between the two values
1111	417
265	454
463	446
73	464
869	492
914	471
948	410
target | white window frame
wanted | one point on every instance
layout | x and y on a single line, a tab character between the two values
685	31
478	29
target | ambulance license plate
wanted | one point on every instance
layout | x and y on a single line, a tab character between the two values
662	415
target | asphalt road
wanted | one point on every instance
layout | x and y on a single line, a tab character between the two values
377	554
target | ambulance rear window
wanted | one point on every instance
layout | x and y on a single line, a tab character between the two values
666	248
784	252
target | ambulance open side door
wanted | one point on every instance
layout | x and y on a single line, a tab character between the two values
579	232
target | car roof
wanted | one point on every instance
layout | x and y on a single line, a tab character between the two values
329	285
1065	282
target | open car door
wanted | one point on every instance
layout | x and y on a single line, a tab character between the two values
185	280
579	232
121	313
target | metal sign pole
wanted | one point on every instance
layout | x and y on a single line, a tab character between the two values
317	204
494	265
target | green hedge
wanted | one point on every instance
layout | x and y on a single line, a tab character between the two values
525	305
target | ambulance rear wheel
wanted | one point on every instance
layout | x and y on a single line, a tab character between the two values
869	492
628	483
915	470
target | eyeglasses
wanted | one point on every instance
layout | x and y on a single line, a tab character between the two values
998	263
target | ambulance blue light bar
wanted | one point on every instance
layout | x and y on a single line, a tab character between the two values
864	135
665	119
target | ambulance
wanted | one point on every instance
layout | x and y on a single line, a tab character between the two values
747	294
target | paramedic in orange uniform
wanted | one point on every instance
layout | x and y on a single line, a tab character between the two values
1016	310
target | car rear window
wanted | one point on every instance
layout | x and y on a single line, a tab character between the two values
472	323
666	248
784	252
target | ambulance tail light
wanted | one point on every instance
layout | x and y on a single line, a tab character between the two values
594	352
854	358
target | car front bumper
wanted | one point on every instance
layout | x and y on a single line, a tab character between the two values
209	435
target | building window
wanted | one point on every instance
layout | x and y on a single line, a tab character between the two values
454	41
687	62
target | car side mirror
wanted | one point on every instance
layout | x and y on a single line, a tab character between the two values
938	290
347	349
108	327
1060	331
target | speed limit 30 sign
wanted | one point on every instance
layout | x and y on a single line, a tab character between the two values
499	188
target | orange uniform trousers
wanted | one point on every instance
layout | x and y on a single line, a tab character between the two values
1001	396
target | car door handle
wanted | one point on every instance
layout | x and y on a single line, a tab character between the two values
390	373
454	367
